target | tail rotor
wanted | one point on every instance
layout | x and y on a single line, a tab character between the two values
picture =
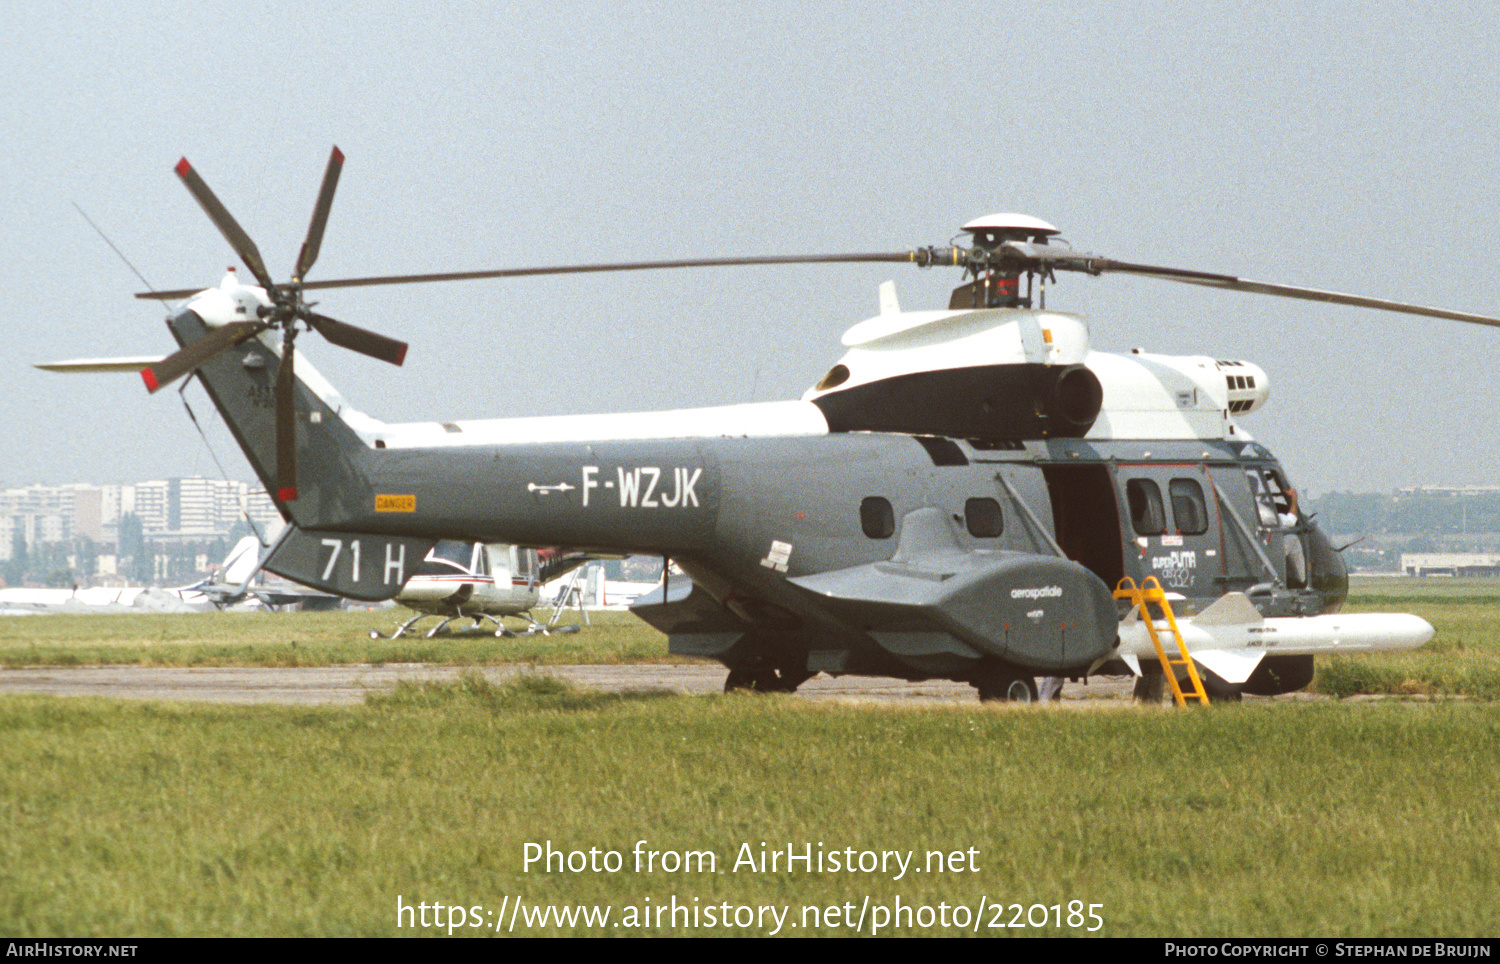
287	309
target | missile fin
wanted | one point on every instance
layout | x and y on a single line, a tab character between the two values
1232	609
1230	665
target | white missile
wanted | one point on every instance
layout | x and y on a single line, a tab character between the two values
1231	636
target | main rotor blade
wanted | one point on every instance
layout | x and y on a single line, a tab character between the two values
1065	260
227	225
1332	297
189	359
357	339
309	252
916	257
286	426
923	257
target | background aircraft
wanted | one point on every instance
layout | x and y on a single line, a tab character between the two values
481	582
225	588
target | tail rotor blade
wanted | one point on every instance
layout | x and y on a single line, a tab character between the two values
309	253
227	225
286	427
357	339
188	360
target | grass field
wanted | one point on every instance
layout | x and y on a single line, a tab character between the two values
1464	658
304	639
1280	817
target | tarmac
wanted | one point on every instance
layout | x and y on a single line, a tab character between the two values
333	685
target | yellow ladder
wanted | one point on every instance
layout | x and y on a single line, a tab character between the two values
1150	591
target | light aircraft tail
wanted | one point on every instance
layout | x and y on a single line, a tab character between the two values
241	562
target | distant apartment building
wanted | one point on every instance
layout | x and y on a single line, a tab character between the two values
170	511
199	507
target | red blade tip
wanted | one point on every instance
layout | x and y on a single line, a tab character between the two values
149	377
183	167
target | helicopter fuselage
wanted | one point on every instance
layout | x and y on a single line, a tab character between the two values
957	496
881	552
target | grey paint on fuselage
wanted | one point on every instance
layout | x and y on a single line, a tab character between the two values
794	511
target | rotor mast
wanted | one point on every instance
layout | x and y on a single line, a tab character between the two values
997	279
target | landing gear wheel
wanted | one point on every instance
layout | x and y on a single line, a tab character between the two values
764	679
745	679
791	680
1006	686
1150	689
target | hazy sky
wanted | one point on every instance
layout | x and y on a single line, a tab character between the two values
1349	147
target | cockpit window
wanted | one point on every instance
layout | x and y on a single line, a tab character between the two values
1146	512
458	553
1263	504
1277	488
447	558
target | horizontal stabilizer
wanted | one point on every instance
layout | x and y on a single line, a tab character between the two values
352	564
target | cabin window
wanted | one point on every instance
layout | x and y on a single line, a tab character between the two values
983	518
876	517
1188	509
1146	512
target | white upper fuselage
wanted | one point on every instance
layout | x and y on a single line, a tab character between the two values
1145	396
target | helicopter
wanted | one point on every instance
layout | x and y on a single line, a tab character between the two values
484	583
956	498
